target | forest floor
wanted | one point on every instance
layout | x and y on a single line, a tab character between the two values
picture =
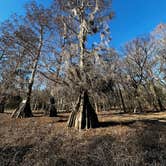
122	140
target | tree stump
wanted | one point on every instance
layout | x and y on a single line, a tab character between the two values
2	104
83	116
52	109
2	107
23	111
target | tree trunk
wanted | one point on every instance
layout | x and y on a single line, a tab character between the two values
158	97
2	103
25	109
121	98
83	116
150	99
2	107
52	109
138	105
35	106
96	107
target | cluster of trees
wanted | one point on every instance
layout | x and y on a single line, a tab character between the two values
47	53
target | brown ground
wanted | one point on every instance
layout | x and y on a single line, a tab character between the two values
135	140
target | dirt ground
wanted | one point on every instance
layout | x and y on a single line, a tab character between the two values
121	140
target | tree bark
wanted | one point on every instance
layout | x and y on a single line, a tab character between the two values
137	98
83	116
52	109
2	104
23	111
122	100
2	108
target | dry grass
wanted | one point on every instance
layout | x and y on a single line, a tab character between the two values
122	140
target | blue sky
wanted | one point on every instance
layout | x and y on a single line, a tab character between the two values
132	17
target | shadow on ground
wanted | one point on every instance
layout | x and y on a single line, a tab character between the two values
130	122
13	155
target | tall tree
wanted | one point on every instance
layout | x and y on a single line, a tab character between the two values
34	35
141	66
82	18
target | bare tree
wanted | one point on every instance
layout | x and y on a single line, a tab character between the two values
87	17
33	35
141	66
